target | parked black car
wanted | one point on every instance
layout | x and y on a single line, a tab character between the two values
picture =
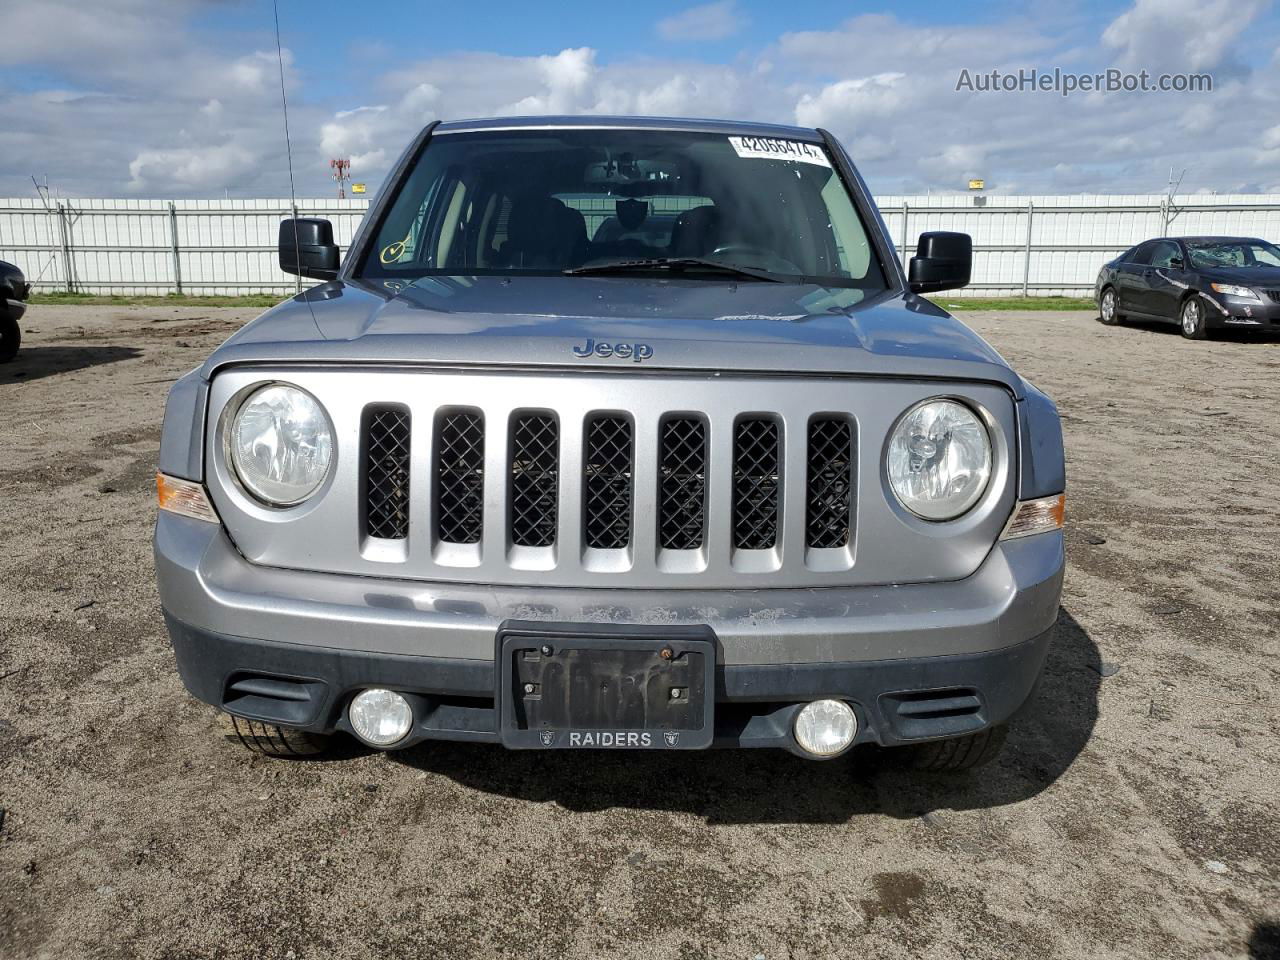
1200	283
14	291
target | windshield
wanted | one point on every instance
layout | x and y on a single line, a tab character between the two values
547	201
1234	253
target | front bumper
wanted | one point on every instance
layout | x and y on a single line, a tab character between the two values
918	661
1227	311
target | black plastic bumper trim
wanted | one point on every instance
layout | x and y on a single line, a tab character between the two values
755	703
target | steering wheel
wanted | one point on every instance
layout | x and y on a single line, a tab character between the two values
756	256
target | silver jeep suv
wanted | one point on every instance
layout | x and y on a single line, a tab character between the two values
613	433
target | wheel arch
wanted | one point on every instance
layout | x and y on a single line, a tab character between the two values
1213	313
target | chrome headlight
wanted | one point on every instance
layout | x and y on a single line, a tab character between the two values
1232	290
281	444
939	459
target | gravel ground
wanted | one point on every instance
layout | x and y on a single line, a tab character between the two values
1136	811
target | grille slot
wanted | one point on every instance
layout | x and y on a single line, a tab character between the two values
460	477
933	713
1274	295
280	699
830	483
755	484
606	476
682	497
535	469
386	471
945	703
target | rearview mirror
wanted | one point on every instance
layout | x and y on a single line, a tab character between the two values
943	261
307	249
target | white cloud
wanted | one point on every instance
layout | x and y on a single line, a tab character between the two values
919	133
146	102
877	43
710	21
259	71
848	102
201	169
1180	35
957	162
563	83
359	135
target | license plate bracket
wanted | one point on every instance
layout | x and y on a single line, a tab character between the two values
605	686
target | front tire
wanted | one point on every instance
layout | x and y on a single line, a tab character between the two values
1109	308
271	740
959	753
1192	320
10	339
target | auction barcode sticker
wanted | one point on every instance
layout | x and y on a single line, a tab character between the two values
767	148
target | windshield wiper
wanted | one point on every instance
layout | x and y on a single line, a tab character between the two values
679	264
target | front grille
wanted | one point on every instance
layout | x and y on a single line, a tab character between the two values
830	480
1274	295
460	477
755	484
606	477
608	481
535	473
386	472
647	485
682	494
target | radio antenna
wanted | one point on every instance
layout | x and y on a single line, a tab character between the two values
288	148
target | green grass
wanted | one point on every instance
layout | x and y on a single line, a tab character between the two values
169	300
1013	303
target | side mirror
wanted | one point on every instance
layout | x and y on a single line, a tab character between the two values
1176	263
306	248
943	261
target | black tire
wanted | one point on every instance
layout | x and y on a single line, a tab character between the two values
271	740
1110	315
1193	319
959	753
10	339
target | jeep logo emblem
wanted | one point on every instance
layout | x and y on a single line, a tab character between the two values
636	352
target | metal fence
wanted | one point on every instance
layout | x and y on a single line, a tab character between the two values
1037	246
158	246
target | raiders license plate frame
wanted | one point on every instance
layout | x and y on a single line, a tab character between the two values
605	686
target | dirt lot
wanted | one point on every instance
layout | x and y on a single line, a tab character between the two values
1135	813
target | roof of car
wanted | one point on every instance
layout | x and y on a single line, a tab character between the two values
1215	239
727	127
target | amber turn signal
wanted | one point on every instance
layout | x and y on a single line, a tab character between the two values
1036	516
184	497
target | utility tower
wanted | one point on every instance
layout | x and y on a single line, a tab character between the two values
341	173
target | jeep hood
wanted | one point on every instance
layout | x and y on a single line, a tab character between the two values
689	325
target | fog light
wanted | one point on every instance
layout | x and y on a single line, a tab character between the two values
380	717
825	727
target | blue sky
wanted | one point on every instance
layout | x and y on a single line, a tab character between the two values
335	33
180	98
339	43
